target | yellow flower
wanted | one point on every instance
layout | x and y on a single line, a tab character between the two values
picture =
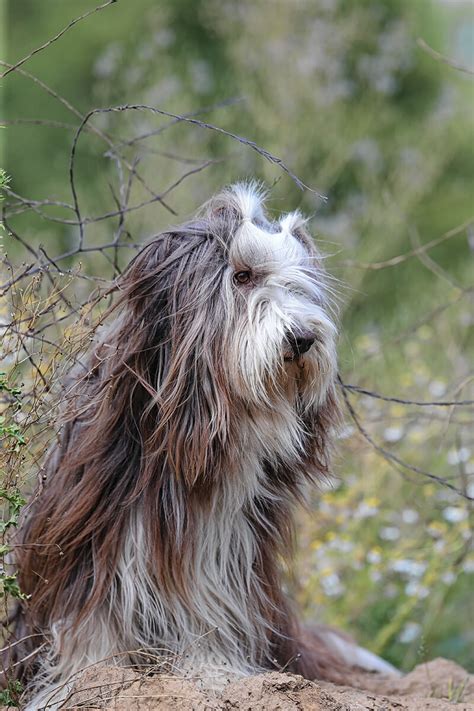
416	436
406	380
421	369
425	332
367	343
326	572
397	410
437	528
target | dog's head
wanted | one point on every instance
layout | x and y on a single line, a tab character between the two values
279	337
230	314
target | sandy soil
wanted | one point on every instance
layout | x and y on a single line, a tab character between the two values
436	685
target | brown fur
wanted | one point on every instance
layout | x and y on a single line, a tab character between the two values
154	422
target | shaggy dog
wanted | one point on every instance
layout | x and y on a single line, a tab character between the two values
204	411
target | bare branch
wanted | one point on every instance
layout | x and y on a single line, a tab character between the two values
441	57
55	38
419	403
393	458
395	261
202	124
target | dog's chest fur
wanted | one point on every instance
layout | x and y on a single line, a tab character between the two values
211	615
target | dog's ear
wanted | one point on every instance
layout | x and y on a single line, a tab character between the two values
143	283
194	422
194	398
171	309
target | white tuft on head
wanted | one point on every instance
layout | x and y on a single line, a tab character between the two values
249	198
292	222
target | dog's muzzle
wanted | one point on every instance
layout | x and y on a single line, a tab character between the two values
297	344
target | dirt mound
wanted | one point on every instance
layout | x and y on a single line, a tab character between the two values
433	686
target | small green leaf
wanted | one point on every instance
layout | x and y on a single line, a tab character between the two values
11	587
9	696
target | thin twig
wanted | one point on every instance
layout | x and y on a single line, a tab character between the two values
392	458
395	261
442	58
55	38
202	124
401	401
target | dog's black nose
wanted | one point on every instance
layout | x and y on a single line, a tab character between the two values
300	342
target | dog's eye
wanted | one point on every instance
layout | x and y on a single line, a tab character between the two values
242	277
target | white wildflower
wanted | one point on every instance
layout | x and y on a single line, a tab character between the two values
393	434
410	516
332	585
366	510
415	589
448	578
468	566
437	388
458	456
389	533
374	556
409	567
454	514
409	633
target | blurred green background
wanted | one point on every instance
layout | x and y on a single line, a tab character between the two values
345	96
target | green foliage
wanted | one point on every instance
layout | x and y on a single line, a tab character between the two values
4	181
15	501
9	429
11	389
9	586
12	440
10	695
